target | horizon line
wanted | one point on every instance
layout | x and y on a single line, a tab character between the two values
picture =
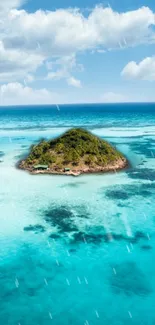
78	104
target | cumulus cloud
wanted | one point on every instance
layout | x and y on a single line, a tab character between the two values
34	38
20	94
9	4
62	69
68	31
52	39
16	93
74	82
144	70
16	64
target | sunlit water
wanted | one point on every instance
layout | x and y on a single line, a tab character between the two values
78	250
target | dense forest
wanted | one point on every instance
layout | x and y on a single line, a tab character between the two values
76	147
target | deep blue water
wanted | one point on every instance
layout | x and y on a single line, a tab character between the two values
78	250
74	115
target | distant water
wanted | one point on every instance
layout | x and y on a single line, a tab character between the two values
78	250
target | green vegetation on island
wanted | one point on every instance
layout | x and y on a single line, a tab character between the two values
77	151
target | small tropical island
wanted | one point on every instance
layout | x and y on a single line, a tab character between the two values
76	152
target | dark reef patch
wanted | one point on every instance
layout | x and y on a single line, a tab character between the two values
87	238
129	280
19	278
118	194
145	148
108	237
35	228
99	237
63	217
121	205
127	191
54	236
146	247
72	250
148	186
141	173
66	221
2	154
138	236
145	193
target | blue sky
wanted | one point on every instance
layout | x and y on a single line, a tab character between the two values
33	5
76	51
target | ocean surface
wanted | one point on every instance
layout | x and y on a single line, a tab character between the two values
78	251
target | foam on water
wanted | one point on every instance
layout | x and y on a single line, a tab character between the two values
77	250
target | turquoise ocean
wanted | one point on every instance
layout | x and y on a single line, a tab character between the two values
78	251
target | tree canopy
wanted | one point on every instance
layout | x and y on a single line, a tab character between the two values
76	147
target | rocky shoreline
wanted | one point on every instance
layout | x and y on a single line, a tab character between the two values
119	165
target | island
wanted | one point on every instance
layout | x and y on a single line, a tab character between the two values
76	152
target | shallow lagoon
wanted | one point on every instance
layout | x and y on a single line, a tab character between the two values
77	250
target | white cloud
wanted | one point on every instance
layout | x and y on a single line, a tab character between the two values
16	64
20	94
60	68
74	82
16	93
33	38
9	4
67	31
112	97
29	78
144	70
